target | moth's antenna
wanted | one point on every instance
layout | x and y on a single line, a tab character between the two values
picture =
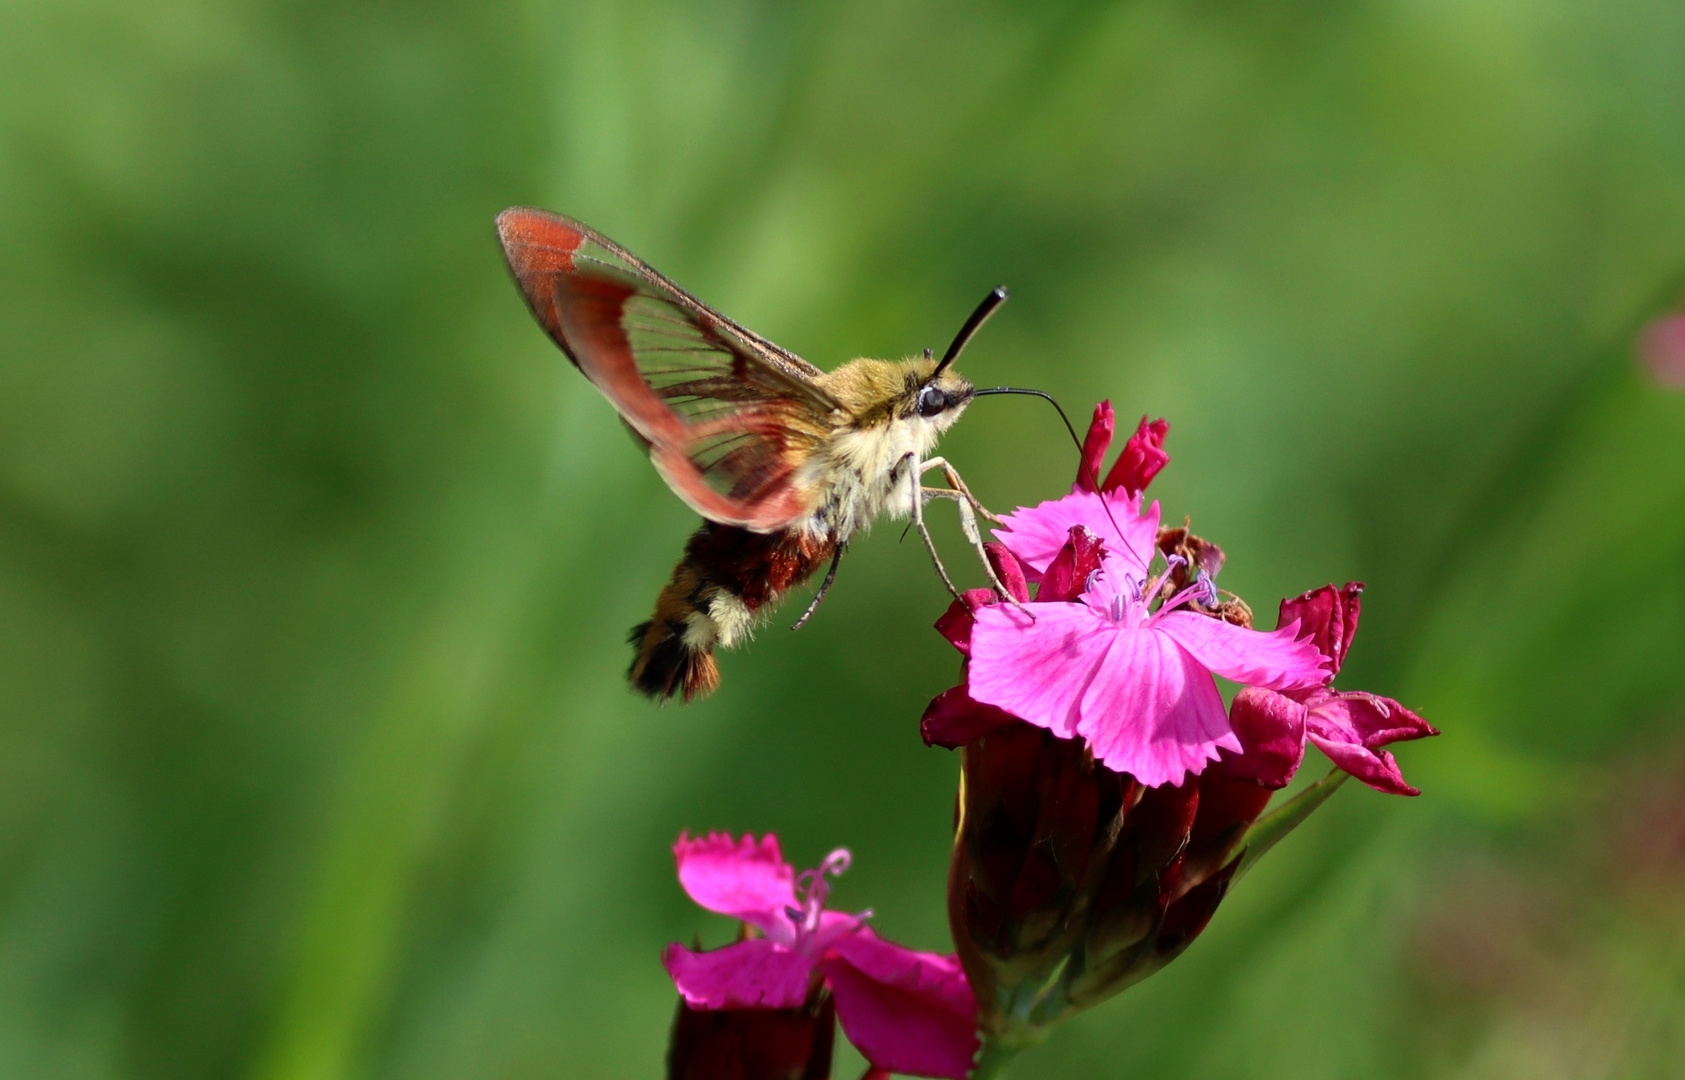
997	297
1094	476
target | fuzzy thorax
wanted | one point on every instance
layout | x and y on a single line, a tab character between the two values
858	471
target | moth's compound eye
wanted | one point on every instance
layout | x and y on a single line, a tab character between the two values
932	401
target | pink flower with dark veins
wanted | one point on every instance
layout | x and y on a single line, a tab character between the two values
1349	727
905	1011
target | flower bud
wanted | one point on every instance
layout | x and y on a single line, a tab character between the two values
1167	873
1094	447
1064	869
1037	819
1142	458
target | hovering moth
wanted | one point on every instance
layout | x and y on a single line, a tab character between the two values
784	462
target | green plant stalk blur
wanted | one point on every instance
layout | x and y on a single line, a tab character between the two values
316	558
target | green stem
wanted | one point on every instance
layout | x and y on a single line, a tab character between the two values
1270	828
992	1061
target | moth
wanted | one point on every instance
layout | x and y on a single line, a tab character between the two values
785	462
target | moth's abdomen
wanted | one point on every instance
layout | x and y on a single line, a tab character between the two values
716	596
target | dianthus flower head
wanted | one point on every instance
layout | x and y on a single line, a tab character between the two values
1069	880
1107	802
1119	656
905	1011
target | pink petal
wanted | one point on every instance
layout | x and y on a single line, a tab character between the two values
1094	447
757	974
1037	671
1142	458
955	623
832	925
747	880
1351	728
1009	570
1153	711
1067	576
953	719
1372	720
1278	660
1271	730
1035	534
906	1012
1377	768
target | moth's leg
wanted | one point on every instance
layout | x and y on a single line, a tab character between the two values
968	526
953	477
924	531
964	503
824	587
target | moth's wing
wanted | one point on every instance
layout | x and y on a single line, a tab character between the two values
727	415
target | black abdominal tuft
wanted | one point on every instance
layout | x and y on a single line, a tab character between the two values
660	669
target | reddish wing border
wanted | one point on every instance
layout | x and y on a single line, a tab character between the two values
727	414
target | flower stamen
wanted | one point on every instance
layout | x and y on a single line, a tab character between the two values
812	889
1198	589
1171	562
1207	586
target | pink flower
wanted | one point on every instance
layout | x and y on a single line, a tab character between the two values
1092	657
1349	727
1134	682
906	1012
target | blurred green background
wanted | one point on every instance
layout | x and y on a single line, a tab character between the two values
316	558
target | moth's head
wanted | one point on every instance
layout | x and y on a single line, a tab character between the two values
933	394
878	393
936	393
923	390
